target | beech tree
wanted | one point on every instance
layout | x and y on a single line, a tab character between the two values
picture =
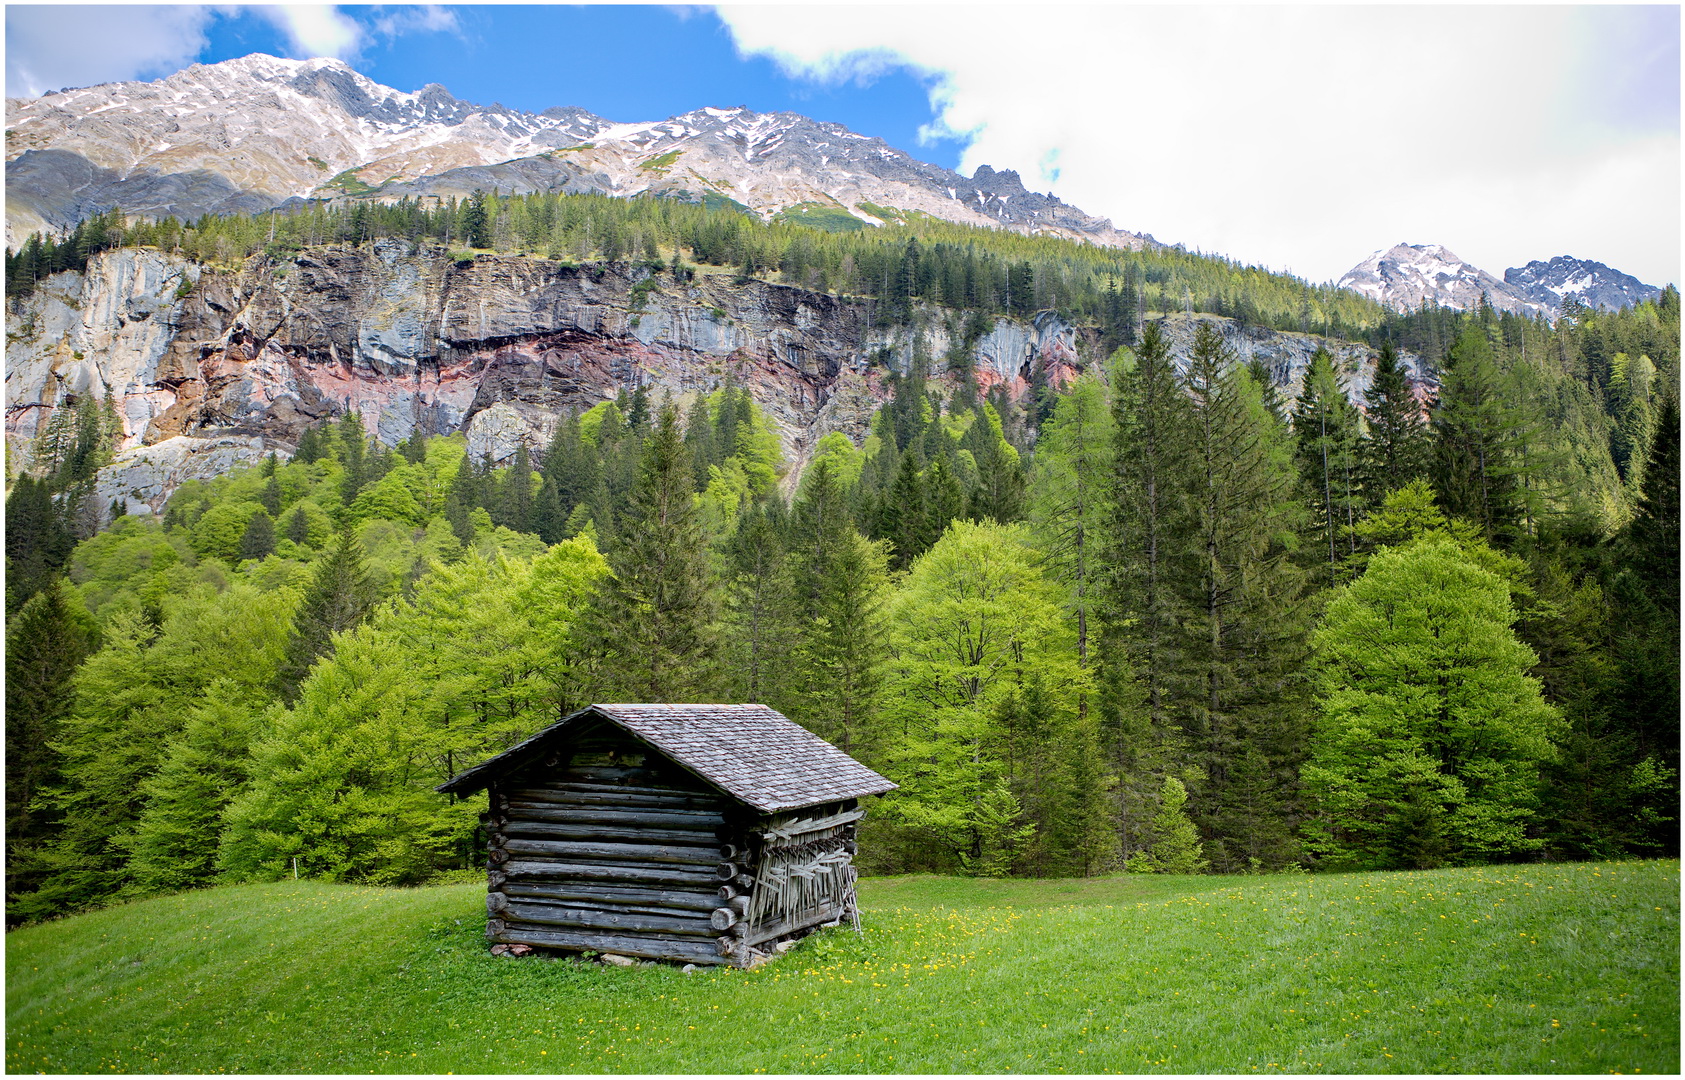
1429	734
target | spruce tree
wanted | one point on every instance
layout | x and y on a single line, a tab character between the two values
655	614
1326	431
340	595
1475	430
1244	639
258	541
1145	526
45	644
1395	447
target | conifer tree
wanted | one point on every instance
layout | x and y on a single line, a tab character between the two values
1395	447
902	515
37	542
759	601
1475	431
45	644
258	541
1146	526
340	595
655	615
1244	638
1326	431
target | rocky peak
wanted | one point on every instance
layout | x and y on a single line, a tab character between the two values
260	131
1591	283
1405	276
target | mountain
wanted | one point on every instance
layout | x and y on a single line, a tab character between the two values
1591	283
1405	275
252	133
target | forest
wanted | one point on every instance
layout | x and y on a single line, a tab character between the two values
1158	620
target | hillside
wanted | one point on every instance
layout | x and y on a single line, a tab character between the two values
1520	969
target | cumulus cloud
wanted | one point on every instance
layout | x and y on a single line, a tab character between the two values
108	44
1301	138
316	29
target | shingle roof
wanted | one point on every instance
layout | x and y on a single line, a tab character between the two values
752	753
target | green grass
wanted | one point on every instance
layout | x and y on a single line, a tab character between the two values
660	163
1569	968
350	183
830	218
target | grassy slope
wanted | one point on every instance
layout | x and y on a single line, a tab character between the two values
1507	969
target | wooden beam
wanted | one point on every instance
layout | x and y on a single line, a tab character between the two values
617	894
694	950
639	875
625	921
647	853
617	833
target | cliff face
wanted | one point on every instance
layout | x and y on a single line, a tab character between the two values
237	361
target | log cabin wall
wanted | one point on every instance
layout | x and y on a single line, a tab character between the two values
607	846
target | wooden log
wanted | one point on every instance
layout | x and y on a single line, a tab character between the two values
726	871
496	902
614	907
789	924
789	829
618	894
565	799
620	874
556	792
497	856
620	834
727	892
704	823
579	849
627	921
497	839
739	904
744	882
694	950
495	879
494	927
734	852
722	919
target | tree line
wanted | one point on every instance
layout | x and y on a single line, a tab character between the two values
1159	620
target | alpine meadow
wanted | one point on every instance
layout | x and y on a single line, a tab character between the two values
1273	676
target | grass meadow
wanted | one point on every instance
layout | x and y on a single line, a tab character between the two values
1570	968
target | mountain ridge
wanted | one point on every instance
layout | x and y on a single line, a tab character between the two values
1405	276
257	131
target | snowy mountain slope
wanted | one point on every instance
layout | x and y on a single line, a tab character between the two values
1405	276
253	132
1591	283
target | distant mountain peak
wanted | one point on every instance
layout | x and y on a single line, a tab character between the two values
1405	276
1590	283
259	131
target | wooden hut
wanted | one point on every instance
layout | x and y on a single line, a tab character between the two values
699	833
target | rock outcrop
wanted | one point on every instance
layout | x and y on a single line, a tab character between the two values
496	347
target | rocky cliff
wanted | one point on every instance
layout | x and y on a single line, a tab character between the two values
234	361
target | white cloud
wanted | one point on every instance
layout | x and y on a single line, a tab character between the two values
419	18
1299	137
316	29
49	47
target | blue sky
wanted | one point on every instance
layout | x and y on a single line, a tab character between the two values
622	62
1300	138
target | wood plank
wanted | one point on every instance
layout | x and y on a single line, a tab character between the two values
693	950
538	870
541	830
703	902
704	821
551	788
788	925
623	921
789	830
643	853
529	799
